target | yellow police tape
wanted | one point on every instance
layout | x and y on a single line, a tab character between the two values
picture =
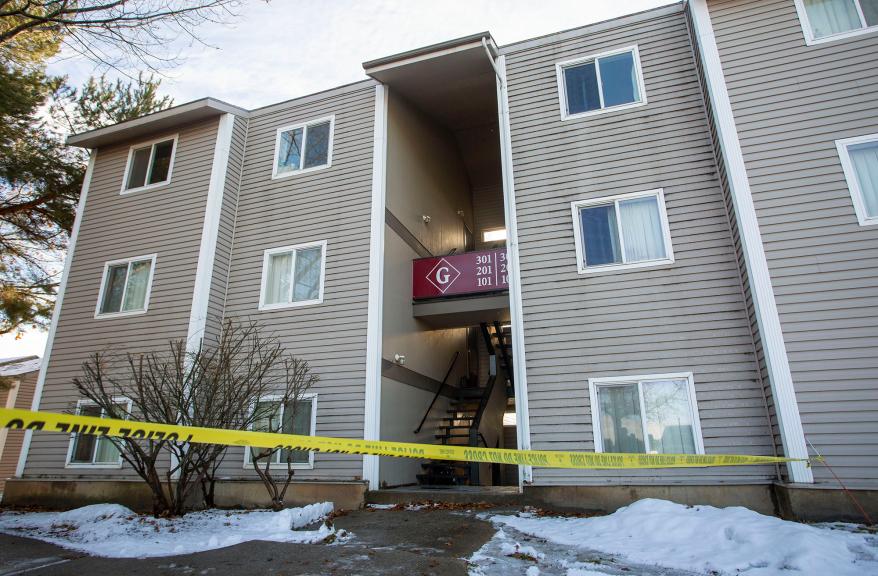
70	424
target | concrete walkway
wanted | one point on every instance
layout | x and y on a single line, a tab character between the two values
385	542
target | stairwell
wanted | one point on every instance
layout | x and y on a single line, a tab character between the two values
464	416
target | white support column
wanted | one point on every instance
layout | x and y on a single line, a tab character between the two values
519	371
780	377
374	330
210	233
56	311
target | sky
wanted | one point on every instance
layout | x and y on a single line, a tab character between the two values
274	51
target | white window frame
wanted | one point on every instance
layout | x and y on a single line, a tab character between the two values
304	126
101	315
294	248
562	85
850	174
595	383
248	463
72	441
808	32
576	205
151	143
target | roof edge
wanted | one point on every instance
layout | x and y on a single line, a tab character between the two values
201	107
426	50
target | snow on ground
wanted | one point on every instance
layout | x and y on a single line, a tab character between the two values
114	531
663	538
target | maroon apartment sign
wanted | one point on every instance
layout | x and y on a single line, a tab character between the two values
467	273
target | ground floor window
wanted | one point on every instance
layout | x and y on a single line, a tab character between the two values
653	414
91	450
273	415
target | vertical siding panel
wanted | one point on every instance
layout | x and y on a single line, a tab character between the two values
332	204
166	221
690	316
791	102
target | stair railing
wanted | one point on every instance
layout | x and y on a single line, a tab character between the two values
438	390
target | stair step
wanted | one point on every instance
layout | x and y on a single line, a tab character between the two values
456	427
448	436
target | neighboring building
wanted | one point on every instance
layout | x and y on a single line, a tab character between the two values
651	234
18	380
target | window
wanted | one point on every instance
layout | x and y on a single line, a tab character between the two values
825	20
646	414
125	287
149	165
859	159
619	232
603	82
293	276
90	450
276	417
303	147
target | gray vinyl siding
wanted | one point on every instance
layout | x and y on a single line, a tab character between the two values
791	103
332	204
166	221
488	213
722	175
228	210
689	316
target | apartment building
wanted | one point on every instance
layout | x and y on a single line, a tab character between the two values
650	234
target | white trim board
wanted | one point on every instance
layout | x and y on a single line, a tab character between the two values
56	311
850	175
210	233
374	330
522	428
767	318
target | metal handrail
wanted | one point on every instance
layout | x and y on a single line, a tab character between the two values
438	391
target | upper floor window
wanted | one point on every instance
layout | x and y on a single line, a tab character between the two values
859	159
824	20
653	414
149	164
125	286
601	82
272	415
293	276
619	232
303	147
91	450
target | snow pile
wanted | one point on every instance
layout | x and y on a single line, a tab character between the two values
114	531
705	539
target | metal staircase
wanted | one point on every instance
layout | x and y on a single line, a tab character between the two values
464	415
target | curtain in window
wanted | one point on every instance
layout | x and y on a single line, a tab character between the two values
870	11
642	229
864	158
828	17
600	234
138	280
668	417
84	444
277	286
307	276
107	453
621	424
